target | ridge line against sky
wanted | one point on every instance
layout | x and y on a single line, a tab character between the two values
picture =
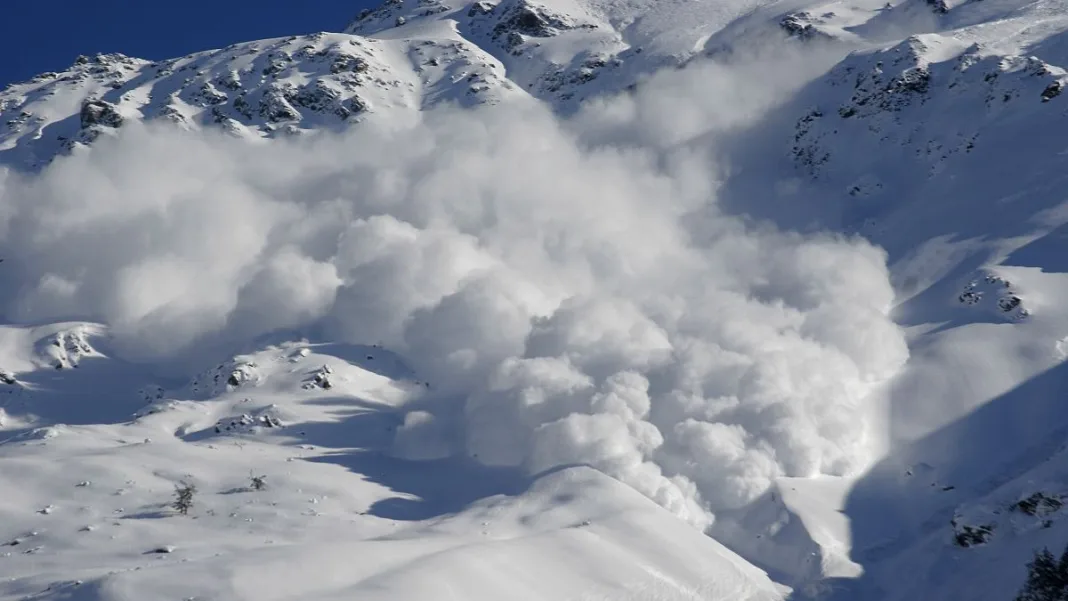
47	36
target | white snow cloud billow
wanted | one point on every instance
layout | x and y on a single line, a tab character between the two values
568	286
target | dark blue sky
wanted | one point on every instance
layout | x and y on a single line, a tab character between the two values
47	35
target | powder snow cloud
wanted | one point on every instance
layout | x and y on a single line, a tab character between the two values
570	287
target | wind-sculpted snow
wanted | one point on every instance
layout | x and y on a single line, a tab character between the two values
566	302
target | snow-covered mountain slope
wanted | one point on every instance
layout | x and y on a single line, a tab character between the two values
588	290
946	149
285	86
402	57
567	51
957	511
86	511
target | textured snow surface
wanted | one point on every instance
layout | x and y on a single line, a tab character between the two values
559	299
86	506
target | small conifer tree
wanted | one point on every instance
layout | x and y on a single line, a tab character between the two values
1047	578
183	494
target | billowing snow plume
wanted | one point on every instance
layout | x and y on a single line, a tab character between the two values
571	300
